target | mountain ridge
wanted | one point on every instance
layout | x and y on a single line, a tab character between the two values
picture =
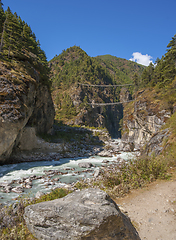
72	101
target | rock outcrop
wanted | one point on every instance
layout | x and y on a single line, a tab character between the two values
86	214
125	95
24	101
142	122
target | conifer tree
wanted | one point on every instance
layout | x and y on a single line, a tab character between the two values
147	74
29	40
169	70
2	19
136	80
165	69
11	36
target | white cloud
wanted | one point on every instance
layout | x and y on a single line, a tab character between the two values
141	59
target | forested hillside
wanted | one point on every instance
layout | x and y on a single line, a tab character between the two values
165	70
122	69
17	41
74	67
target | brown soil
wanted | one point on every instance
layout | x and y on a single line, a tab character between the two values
152	210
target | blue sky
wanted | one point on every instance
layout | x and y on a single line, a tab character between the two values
137	30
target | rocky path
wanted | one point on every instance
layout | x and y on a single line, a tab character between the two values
152	210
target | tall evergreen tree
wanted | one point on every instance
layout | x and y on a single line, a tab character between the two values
136	80
11	36
169	70
2	19
165	70
147	74
1	4
29	39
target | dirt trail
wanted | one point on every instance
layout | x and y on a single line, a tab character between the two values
152	210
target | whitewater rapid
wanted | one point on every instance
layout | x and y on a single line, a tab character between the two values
69	168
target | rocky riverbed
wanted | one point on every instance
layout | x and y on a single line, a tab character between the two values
39	177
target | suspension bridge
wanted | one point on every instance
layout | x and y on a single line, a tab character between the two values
106	104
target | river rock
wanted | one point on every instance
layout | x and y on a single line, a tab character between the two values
86	214
105	161
96	173
105	153
85	165
18	190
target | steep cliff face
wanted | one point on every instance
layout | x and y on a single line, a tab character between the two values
83	112
21	104
143	119
43	114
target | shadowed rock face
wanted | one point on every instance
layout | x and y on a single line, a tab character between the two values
86	214
23	103
16	107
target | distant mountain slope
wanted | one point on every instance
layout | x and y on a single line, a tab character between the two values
121	69
72	67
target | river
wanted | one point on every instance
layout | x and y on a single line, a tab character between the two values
66	171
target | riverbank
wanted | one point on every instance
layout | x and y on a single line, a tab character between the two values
12	222
117	178
62	142
29	177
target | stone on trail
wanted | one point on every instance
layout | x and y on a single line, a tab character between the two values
87	214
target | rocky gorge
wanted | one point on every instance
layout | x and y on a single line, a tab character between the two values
61	171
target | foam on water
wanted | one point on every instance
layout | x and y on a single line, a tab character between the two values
27	169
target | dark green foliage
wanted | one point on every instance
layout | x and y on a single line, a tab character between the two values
72	67
17	41
165	69
67	106
135	79
122	70
147	75
11	34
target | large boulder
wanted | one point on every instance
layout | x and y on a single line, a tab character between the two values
87	214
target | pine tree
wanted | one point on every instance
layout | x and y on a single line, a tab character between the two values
169	70
147	74
30	44
11	36
136	80
2	19
165	70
